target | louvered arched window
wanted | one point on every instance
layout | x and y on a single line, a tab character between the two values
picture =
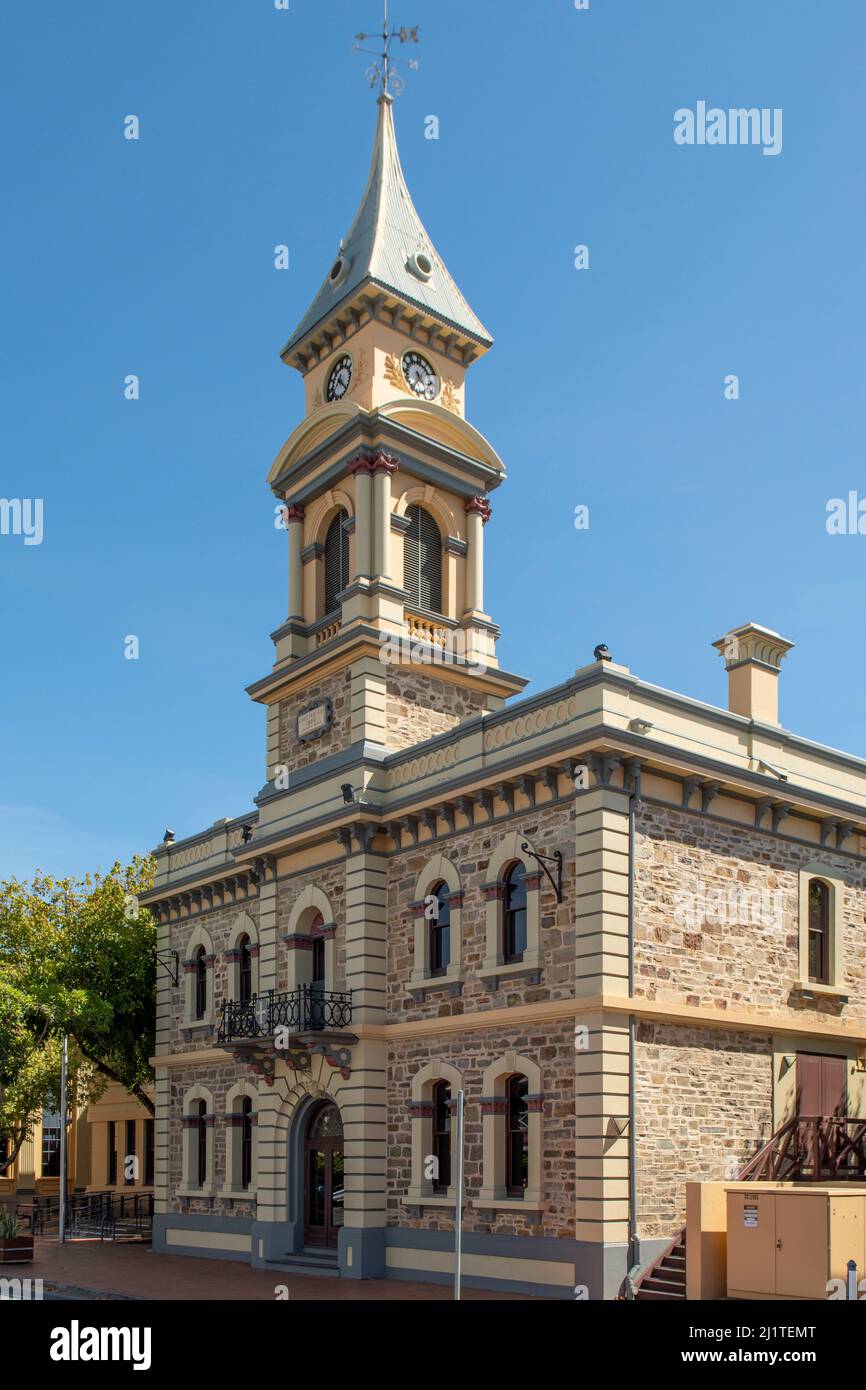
422	560
336	560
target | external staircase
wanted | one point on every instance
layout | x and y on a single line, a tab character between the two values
809	1148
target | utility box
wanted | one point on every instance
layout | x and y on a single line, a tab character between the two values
788	1242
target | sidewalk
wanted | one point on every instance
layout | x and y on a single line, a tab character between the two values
93	1267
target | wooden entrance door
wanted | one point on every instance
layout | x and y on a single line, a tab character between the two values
323	1178
822	1093
821	1084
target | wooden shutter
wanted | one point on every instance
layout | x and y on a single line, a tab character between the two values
336	561
422	560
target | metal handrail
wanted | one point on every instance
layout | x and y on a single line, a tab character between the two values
302	1010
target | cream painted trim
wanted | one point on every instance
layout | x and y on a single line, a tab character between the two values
507	1204
310	900
207	1240
199	938
234	1141
507	852
486	1020
836	885
421	1188
191	1097
243	925
439	869
493	1191
447	1202
540	1272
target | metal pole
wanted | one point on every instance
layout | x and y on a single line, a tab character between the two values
63	1062
458	1196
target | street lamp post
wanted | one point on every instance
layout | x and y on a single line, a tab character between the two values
63	1064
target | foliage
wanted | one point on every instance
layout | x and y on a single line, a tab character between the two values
8	1225
76	958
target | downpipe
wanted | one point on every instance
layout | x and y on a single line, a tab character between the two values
630	1284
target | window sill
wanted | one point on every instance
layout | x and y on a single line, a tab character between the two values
197	1193
420	987
237	1194
825	991
528	968
507	1204
431	1201
197	1025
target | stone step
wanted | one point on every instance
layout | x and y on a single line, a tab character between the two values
319	1263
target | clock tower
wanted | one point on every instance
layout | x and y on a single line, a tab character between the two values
385	487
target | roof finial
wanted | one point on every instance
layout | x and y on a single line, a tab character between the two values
383	72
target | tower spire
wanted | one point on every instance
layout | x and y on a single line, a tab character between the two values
387	250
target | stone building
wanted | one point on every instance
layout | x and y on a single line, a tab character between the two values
627	925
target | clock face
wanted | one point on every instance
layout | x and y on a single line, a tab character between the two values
338	381
420	376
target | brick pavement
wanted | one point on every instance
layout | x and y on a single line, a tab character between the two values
130	1269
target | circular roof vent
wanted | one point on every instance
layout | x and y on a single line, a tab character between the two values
420	265
339	270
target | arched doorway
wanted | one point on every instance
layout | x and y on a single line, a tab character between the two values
324	1193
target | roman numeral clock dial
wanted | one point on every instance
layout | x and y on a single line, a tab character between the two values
420	376
338	381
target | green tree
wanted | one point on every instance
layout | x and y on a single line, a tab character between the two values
77	957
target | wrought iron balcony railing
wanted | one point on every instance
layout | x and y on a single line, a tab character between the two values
301	1010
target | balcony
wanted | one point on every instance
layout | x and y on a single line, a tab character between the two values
310	1016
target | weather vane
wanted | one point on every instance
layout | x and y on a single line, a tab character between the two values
383	72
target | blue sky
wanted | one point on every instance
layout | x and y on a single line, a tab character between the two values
604	387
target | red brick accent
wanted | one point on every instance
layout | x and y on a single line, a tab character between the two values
295	513
361	463
493	1105
384	463
480	505
492	892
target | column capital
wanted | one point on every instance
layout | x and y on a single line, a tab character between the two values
361	463
383	463
481	505
295	512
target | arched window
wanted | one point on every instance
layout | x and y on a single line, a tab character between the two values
442	1136
514	914
200	982
201	1135
317	968
440	930
516	1136
819	932
246	1142
422	560
245	970
336	560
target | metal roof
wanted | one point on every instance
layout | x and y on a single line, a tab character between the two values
386	233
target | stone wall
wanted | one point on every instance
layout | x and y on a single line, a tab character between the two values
331	879
717	917
551	1046
703	1104
220	924
420	706
295	754
219	1078
549	827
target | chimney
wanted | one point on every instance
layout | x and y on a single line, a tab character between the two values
753	656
